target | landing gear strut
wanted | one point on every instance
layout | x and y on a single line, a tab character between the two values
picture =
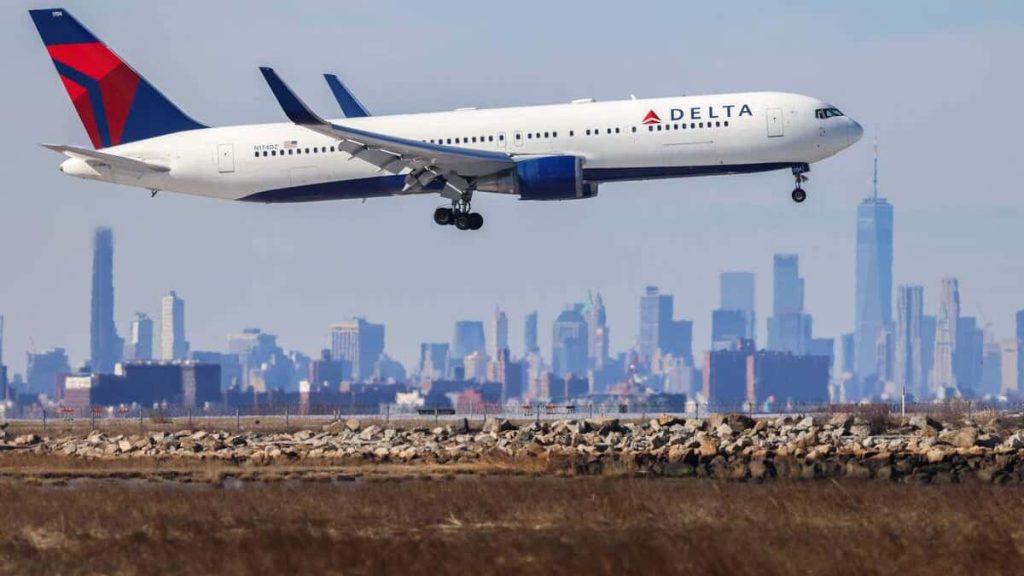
798	173
460	216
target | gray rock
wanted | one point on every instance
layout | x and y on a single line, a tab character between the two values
805	424
369	432
922	422
841	421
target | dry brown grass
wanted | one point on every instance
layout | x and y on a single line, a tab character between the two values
505	525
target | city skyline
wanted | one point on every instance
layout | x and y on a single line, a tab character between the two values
254	265
940	366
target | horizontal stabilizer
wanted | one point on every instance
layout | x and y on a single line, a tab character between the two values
119	163
350	105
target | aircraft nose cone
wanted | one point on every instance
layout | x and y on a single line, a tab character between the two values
856	132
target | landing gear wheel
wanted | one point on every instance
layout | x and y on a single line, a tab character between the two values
443	216
476	221
799	195
462	221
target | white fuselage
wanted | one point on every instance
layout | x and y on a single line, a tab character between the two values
695	135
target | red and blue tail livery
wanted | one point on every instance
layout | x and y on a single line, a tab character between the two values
116	104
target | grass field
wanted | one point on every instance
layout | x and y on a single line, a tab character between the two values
510	524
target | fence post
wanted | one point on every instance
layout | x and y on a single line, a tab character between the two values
92	417
238	419
286	416
44	419
538	414
190	417
387	415
140	418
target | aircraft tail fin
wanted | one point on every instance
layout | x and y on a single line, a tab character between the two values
115	103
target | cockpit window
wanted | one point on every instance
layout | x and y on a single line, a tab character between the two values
822	113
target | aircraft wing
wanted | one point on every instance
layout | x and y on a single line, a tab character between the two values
119	163
390	153
350	105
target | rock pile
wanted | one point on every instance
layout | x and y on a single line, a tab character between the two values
733	447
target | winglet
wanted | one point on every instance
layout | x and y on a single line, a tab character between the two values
350	105
293	107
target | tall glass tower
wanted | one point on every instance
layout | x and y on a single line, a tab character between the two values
873	307
105	346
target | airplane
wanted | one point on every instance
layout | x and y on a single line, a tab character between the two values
553	152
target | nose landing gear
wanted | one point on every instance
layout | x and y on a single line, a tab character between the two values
798	173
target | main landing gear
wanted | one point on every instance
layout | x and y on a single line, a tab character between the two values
460	216
798	173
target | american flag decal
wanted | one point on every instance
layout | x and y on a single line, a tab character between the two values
291	144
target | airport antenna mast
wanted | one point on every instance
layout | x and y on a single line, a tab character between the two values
874	182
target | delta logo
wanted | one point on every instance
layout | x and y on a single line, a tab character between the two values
652	118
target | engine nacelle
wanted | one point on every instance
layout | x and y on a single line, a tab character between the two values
545	178
552	178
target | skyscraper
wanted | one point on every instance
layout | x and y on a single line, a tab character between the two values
469	338
3	368
43	370
659	332
433	360
141	345
173	345
530	344
909	351
728	329
105	345
1020	351
789	329
569	343
943	379
358	342
498	335
737	293
969	355
597	327
873	295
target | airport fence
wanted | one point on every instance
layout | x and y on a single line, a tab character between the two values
278	416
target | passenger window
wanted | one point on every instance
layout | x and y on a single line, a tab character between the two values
572	133
634	129
588	131
726	123
554	134
501	137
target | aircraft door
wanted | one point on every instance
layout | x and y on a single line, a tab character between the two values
518	139
226	158
502	142
775	123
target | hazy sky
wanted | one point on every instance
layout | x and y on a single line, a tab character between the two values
938	81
